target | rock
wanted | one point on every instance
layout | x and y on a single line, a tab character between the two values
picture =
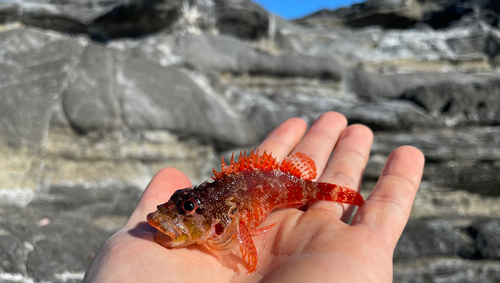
445	201
105	20
56	238
451	270
400	14
467	143
226	54
462	12
34	73
488	238
462	103
267	112
462	159
167	98
118	159
386	13
241	18
92	98
434	237
395	51
101	20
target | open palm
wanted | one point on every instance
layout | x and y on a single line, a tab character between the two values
315	245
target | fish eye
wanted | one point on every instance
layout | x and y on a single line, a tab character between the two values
189	206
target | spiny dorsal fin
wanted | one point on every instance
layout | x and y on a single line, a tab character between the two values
299	165
254	161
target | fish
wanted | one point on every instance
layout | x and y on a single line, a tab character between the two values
226	212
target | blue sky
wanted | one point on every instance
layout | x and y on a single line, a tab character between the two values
291	9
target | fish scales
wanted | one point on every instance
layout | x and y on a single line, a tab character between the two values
227	211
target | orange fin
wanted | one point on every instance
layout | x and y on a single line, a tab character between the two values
247	248
299	165
262	230
245	163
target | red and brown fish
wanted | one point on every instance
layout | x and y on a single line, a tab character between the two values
227	211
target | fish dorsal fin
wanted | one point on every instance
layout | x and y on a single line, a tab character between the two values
245	163
299	165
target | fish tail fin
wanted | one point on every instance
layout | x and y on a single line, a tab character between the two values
332	192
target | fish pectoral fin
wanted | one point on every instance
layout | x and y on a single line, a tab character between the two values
262	230
247	248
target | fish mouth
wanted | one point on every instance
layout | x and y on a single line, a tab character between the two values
177	231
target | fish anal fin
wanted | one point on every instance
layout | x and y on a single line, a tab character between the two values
246	163
247	248
262	230
299	165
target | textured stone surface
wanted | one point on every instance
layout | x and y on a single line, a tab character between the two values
435	237
56	237
99	19
488	238
97	96
226	54
389	51
449	270
241	18
155	97
91	99
33	74
400	14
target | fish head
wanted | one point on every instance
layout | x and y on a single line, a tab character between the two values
181	219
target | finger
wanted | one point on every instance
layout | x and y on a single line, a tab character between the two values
347	164
284	138
320	139
159	190
388	207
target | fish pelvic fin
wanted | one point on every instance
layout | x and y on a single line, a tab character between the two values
247	248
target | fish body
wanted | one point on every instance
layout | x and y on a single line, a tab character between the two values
227	211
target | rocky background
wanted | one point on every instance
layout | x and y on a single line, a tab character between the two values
97	96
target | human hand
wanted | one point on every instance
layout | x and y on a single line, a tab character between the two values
305	246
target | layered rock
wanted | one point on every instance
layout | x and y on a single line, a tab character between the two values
99	95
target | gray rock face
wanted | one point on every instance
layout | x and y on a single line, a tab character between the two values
100	110
97	96
168	99
226	54
434	237
99	19
401	14
56	238
241	18
447	270
34	71
488	239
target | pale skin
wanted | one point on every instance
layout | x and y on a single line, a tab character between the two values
314	245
